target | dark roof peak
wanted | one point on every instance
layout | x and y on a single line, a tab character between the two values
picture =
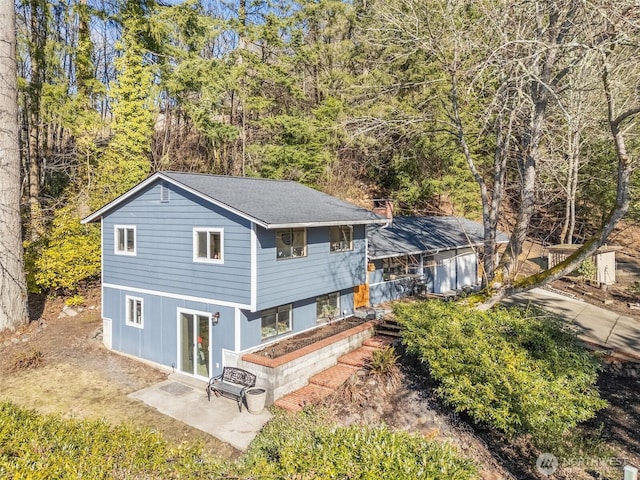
268	203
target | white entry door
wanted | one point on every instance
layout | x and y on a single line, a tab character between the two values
194	355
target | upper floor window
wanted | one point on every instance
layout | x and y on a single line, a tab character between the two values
276	321
125	240
341	238
134	316
208	245
291	242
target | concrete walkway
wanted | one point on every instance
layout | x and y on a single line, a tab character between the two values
185	399
606	329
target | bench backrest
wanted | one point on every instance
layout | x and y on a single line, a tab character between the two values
239	376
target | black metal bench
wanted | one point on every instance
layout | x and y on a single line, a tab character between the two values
233	382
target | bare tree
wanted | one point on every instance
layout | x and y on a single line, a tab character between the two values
13	292
505	66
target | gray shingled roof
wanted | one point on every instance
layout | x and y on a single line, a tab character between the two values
270	203
413	235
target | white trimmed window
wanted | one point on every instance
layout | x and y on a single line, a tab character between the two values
276	321
341	238
208	245
125	240
135	312
291	243
328	307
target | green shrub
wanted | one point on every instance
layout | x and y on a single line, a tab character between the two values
515	370
305	446
48	447
74	301
587	269
68	255
384	364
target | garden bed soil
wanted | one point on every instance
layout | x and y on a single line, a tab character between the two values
301	340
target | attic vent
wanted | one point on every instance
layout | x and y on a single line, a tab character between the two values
164	193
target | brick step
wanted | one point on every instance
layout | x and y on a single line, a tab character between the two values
389	333
379	341
390	325
296	401
358	358
328	381
333	377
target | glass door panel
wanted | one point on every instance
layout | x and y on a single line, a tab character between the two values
186	344
202	364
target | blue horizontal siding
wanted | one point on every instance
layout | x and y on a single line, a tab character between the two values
304	317
164	244
385	292
284	281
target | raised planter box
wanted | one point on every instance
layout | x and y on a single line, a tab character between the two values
292	371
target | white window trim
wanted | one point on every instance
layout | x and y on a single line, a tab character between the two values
198	259
336	314
128	320
115	240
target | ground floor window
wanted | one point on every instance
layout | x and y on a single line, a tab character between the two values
276	321
328	307
134	312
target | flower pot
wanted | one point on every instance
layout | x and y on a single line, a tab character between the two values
255	398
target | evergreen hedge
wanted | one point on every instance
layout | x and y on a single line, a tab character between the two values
304	446
516	370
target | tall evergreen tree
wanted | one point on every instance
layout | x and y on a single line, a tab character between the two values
126	160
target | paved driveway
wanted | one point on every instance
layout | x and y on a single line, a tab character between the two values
593	324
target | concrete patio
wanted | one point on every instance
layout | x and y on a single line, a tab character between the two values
185	399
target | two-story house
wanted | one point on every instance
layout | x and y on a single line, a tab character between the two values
195	265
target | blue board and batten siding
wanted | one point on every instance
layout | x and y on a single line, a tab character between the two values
164	248
157	341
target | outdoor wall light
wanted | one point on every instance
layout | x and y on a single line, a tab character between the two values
215	319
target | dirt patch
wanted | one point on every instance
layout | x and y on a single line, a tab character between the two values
77	377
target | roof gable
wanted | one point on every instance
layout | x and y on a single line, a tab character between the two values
268	203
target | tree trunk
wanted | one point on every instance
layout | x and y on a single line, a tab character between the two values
13	291
573	157
36	56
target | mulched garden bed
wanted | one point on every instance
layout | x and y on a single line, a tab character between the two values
301	340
